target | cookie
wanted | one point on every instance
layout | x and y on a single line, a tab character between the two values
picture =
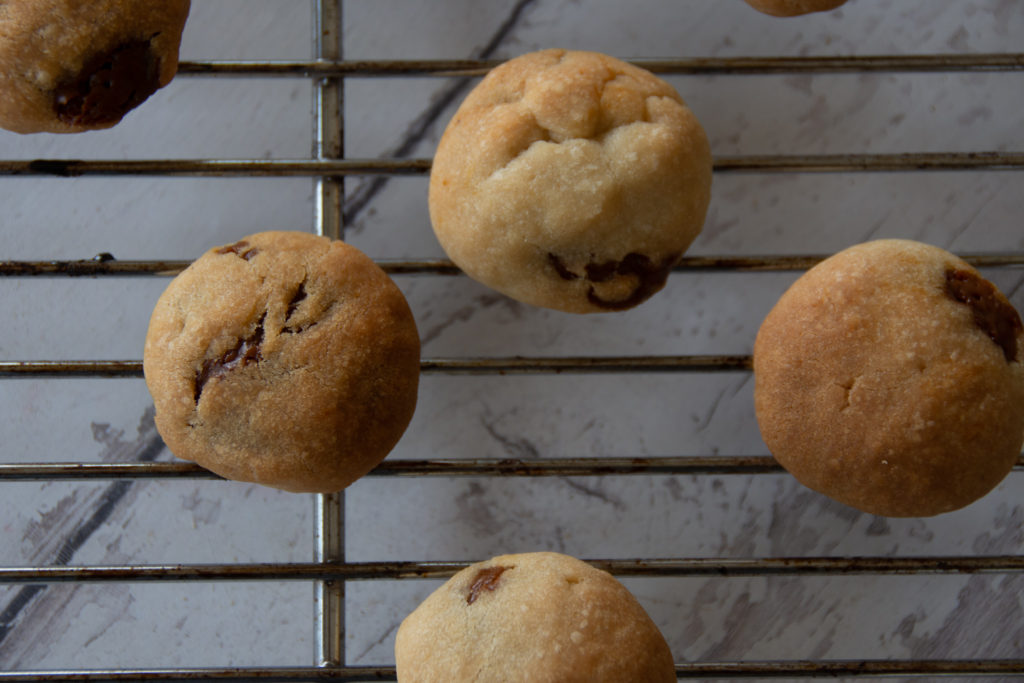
534	617
889	377
570	180
68	66
792	8
284	359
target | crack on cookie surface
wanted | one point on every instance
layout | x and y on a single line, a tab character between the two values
485	579
109	85
992	313
246	351
240	249
847	388
297	298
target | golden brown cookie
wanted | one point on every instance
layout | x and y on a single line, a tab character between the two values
68	66
792	8
570	180
535	618
889	377
283	359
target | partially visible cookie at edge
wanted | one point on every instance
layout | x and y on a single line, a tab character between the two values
68	66
533	618
284	359
890	377
571	180
794	8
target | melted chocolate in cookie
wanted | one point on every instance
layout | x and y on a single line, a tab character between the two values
486	579
993	314
650	277
245	352
560	268
109	85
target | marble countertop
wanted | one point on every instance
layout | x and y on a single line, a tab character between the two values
733	516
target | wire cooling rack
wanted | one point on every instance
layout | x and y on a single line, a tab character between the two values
330	571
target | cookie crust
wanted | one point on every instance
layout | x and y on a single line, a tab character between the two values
793	8
283	359
570	180
68	66
538	617
886	385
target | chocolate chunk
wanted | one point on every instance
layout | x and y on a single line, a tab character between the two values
560	268
650	278
239	248
601	272
486	579
109	85
245	352
993	314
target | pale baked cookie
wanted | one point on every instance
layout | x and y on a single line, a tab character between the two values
570	180
283	359
68	66
792	8
534	618
889	377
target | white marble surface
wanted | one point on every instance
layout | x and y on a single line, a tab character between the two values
223	624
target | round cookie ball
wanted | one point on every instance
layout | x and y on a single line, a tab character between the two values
536	618
570	180
68	66
889	377
792	8
284	359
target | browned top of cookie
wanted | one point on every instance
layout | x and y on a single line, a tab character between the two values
890	378
285	359
571	180
537	617
68	66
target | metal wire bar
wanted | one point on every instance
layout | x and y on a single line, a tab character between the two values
754	464
70	369
436	366
328	221
364	571
483	467
110	267
279	168
852	668
693	66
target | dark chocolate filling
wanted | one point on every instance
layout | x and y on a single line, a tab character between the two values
486	579
993	314
650	277
246	351
109	85
560	268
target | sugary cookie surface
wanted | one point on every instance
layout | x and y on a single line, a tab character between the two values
69	66
571	180
283	359
889	377
532	617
